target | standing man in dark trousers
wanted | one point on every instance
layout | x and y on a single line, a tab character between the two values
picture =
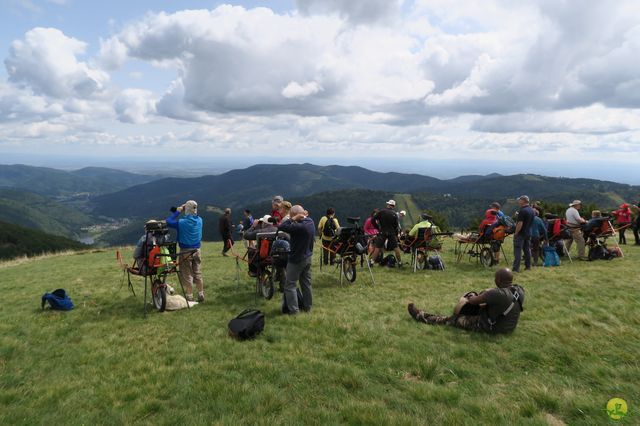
636	223
302	231
224	226
522	235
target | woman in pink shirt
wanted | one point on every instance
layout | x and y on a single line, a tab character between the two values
370	229
623	220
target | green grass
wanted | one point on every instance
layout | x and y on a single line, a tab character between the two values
358	358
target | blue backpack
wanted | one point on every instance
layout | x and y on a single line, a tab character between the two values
551	257
58	300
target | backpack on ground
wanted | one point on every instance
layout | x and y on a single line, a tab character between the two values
247	325
550	256
58	300
599	252
435	263
329	228
389	261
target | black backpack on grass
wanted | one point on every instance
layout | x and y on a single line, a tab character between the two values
247	325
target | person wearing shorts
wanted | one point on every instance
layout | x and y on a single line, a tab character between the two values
387	221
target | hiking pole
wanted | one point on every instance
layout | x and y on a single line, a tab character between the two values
373	281
237	273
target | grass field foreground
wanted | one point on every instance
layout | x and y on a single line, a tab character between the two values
358	358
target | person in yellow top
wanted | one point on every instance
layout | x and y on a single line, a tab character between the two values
327	228
425	223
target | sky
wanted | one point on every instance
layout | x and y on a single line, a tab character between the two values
525	86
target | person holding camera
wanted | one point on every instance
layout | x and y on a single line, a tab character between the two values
189	229
302	231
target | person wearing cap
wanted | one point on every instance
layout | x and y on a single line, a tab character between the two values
327	228
387	221
276	202
498	309
225	227
189	230
302	232
265	224
522	235
574	224
623	221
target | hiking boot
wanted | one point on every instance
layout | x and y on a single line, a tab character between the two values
224	253
200	297
189	297
413	311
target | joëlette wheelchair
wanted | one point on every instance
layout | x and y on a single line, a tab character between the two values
350	244
155	259
485	247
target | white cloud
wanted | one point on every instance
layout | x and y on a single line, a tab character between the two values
444	76
297	90
46	61
134	106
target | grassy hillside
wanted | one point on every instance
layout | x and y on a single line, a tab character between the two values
358	358
18	241
41	213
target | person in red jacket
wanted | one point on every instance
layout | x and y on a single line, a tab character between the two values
623	221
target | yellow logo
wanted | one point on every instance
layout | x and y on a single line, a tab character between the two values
617	408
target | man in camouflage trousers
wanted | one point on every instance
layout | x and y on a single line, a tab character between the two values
499	308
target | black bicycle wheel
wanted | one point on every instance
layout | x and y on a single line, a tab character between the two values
349	269
159	295
266	286
486	257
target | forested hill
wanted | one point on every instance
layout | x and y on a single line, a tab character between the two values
240	188
256	183
56	183
17	241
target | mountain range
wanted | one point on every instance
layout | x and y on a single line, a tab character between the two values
240	188
61	202
60	183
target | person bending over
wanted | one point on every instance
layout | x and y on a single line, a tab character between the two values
496	310
189	230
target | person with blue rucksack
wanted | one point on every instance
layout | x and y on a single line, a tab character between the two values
538	236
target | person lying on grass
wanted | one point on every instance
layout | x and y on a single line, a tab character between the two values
494	310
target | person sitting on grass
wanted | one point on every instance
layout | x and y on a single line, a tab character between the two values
493	311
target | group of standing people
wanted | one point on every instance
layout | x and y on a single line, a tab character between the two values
531	230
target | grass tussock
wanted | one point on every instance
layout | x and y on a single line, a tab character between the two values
358	358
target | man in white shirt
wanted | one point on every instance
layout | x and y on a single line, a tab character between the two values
575	222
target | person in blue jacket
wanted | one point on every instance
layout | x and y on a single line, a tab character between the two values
538	236
189	229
